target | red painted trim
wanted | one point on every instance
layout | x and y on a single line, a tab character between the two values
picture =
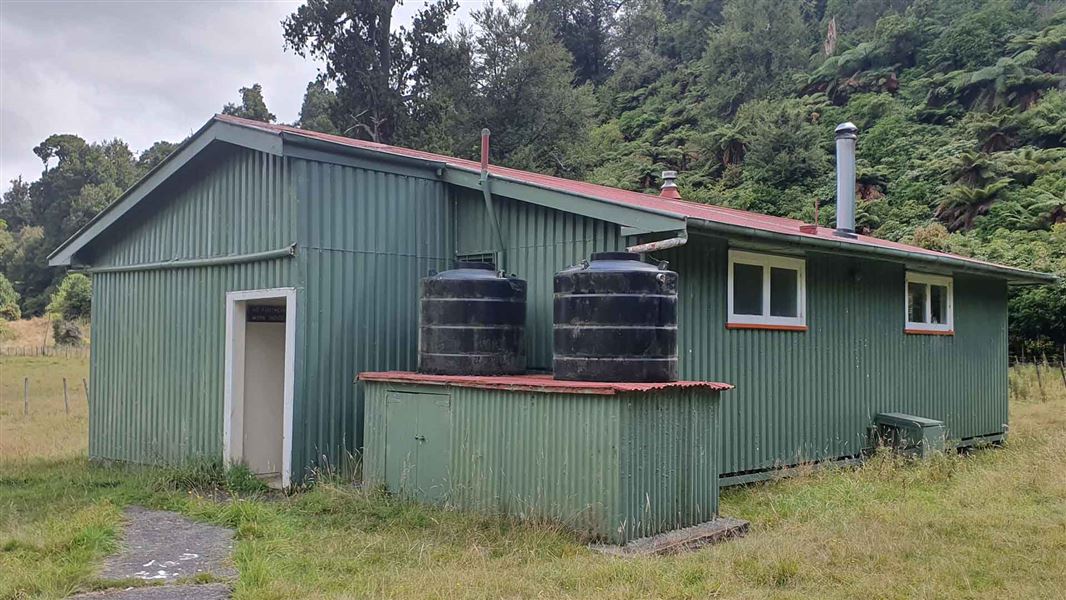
537	383
928	332
770	327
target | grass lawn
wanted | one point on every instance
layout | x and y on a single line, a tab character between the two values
991	523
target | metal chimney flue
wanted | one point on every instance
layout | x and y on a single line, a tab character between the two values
846	137
669	187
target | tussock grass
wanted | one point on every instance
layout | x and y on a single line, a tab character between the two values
990	523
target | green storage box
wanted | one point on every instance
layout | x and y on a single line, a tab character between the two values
614	461
915	436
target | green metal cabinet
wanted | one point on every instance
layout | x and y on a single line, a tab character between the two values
911	435
615	466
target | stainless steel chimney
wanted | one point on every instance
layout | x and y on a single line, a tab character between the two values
846	136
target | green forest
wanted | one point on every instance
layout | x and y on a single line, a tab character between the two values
960	104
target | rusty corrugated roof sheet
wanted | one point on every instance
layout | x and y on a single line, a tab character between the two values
693	210
537	383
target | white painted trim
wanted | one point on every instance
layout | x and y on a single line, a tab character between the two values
928	279
768	261
234	371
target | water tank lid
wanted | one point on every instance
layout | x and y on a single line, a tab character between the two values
614	261
469	270
615	256
471	264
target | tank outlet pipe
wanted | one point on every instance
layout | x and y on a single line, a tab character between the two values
846	138
487	193
673	242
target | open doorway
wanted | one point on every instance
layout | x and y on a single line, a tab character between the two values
260	341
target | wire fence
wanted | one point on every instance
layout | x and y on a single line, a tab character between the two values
1049	377
73	391
58	351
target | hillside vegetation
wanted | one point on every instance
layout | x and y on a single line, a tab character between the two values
961	107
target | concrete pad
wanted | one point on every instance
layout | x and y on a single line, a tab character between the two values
681	540
208	591
162	546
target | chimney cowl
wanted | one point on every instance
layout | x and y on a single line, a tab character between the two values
847	130
669	187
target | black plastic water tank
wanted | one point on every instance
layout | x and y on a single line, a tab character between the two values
615	320
472	322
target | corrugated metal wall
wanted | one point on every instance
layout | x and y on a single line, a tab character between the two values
366	238
670	451
540	241
810	395
159	336
237	204
621	466
158	357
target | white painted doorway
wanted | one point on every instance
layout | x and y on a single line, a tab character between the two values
259	382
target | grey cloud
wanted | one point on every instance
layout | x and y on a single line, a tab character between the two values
138	71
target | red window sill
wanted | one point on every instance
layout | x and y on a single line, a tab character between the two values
927	332
767	327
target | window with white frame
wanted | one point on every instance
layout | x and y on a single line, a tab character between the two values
930	303
767	290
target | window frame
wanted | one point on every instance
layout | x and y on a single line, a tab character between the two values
766	320
927	279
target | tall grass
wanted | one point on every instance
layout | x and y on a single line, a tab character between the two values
984	524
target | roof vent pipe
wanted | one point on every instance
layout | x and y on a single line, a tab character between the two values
846	137
669	187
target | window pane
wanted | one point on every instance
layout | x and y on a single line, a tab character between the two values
784	292
747	289
938	304
916	302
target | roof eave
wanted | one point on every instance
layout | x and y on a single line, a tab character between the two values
1013	275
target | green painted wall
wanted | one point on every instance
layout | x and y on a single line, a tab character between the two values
159	336
366	238
801	396
539	241
615	467
805	396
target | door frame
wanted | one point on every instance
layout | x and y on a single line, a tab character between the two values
233	411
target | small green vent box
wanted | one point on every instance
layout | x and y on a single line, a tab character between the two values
911	435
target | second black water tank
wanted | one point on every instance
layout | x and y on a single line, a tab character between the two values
615	320
472	322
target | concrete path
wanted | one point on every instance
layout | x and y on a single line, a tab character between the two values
164	547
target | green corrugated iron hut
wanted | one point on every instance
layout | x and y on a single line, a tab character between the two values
262	261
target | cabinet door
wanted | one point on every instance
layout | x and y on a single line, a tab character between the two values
418	445
434	447
401	445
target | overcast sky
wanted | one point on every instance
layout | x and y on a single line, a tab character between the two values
140	70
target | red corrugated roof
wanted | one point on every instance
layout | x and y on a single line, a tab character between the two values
682	208
537	383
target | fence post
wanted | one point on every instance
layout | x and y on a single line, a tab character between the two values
1039	381
66	398
25	396
85	384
